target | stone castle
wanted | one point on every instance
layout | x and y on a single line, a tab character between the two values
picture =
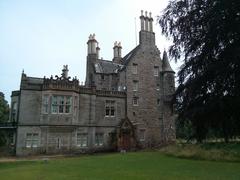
125	103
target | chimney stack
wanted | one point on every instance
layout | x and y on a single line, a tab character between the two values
146	35
92	44
117	52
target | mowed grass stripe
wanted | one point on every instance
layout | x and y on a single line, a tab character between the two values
139	165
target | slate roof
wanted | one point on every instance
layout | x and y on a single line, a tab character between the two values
129	56
166	65
107	67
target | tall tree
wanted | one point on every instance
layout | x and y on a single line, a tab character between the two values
4	115
4	108
206	35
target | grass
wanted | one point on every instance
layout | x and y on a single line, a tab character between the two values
208	151
130	166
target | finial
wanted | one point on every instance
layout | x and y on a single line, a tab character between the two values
93	36
115	43
119	44
150	14
90	37
141	12
146	13
22	71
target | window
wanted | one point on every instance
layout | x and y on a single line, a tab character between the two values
99	139
134	68
61	104
142	134
14	111
45	104
32	140
59	143
54	104
68	104
102	76
158	102
75	105
110	108
156	70
135	101
158	87
135	85
82	139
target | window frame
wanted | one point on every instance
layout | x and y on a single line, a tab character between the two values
61	104
135	85
134	68
99	139
82	140
135	101
156	71
45	104
142	134
110	108
32	140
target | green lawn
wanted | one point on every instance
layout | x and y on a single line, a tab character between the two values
139	165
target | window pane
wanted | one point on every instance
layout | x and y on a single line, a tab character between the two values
28	143
54	100
112	112
107	111
68	100
82	140
134	68
135	101
54	104
135	85
156	70
142	134
54	108
99	139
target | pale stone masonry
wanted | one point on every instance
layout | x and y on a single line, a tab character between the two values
125	104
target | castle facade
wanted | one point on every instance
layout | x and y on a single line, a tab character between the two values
126	103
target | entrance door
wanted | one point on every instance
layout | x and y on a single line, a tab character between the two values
126	141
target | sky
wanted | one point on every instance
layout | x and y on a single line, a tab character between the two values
40	36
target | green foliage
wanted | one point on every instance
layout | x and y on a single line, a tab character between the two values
4	115
206	35
128	166
4	108
207	151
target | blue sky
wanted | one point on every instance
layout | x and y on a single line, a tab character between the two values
40	36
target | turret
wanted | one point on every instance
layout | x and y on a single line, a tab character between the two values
117	52
92	57
166	65
168	76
